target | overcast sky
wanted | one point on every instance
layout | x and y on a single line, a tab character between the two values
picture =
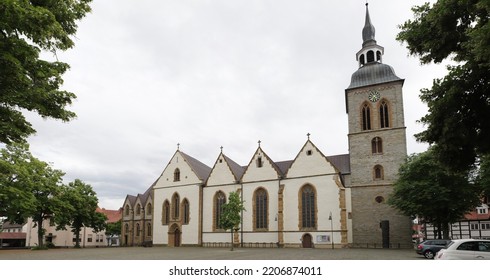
150	74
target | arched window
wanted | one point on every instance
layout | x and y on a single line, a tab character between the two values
165	213
176	206
377	145
148	209
366	117
138	229
384	114
260	163
361	59
378	172
138	209
261	205
148	229
219	201
185	212
378	56
370	56
176	175
126	210
308	207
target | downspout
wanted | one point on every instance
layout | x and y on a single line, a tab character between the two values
241	214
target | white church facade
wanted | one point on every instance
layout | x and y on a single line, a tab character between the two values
313	200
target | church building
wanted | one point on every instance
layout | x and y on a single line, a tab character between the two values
313	200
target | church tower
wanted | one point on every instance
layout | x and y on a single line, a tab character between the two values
377	146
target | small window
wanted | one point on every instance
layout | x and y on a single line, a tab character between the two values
259	162
309	153
138	209
378	172
176	175
377	145
148	209
126	210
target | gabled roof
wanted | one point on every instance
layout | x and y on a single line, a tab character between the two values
284	166
236	169
200	169
273	164
341	162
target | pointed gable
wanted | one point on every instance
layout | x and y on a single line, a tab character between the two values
225	171
183	169
261	167
310	161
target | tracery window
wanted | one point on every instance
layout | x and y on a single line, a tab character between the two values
377	145
219	201
366	117
260	209
384	114
308	207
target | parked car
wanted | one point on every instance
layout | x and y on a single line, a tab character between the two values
430	247
465	249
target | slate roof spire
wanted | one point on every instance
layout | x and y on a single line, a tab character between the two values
368	31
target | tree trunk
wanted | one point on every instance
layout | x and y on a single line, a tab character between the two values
40	232
77	238
445	230
232	239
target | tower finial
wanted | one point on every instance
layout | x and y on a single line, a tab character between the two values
368	31
259	143
178	146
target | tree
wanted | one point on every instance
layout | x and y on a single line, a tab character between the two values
458	120
29	188
113	229
81	205
425	188
231	216
26	81
483	175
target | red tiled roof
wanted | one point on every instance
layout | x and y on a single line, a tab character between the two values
12	235
112	215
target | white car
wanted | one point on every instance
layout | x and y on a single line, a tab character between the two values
465	249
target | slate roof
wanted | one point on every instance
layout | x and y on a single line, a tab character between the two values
202	170
236	169
341	162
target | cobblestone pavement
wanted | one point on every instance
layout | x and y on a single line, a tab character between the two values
198	253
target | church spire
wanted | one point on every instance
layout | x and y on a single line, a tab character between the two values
371	52
368	31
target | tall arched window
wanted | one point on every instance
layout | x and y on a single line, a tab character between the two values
176	175
126	210
138	209
261	205
176	205
126	229
148	209
148	229
138	229
185	211
377	145
219	201
366	117
378	172
384	114
308	207
165	213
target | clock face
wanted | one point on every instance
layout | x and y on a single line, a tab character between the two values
374	96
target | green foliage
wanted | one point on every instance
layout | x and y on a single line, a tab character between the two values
459	104
26	81
113	229
80	209
31	188
483	177
425	188
231	215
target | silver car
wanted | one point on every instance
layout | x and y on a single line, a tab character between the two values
465	249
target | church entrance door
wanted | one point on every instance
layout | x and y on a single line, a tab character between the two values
177	238
306	241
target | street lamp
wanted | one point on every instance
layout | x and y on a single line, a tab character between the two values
331	228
